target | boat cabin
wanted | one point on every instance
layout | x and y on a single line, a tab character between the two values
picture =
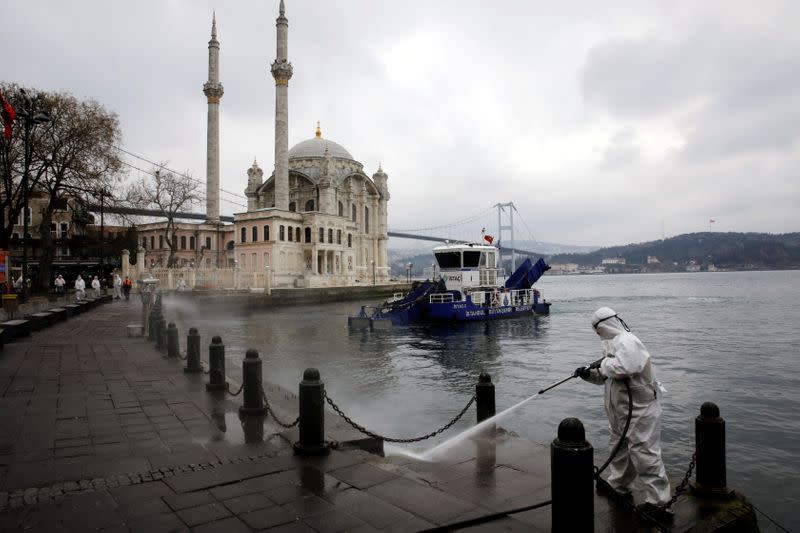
464	266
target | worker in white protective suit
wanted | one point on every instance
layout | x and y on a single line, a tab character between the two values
625	357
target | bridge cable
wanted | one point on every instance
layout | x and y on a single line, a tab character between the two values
449	225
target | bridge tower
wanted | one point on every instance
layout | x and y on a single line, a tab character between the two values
508	210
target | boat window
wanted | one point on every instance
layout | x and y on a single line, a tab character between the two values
490	260
449	259
471	258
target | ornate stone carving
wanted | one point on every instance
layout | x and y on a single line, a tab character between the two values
281	71
213	91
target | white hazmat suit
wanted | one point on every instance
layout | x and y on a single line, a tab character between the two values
640	454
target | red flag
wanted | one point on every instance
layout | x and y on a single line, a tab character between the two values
711	220
8	115
488	238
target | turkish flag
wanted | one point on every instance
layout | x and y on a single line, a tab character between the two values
8	115
488	238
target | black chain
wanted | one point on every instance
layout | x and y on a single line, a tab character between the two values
369	433
228	388
274	416
682	487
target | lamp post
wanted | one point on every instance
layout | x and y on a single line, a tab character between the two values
372	262
30	117
408	272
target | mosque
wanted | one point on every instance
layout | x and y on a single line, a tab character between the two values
317	221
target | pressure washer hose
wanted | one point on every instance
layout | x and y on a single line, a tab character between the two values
614	452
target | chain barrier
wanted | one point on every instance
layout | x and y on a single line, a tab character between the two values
369	433
274	416
228	388
682	487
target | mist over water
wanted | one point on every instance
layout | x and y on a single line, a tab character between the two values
731	338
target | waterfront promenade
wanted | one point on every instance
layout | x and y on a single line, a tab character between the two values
102	432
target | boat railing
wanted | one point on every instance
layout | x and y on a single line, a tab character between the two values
500	298
441	297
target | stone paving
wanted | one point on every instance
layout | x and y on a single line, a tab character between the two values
102	432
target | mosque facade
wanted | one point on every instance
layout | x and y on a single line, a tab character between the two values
318	220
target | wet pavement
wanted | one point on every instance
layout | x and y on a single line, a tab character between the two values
103	432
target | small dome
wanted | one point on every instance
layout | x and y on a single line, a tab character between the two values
315	147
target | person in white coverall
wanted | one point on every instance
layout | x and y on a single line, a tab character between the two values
625	357
80	287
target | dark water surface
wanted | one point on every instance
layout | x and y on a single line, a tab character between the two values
731	338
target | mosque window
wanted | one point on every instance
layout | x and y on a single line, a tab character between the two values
174	241
244	234
152	243
208	243
330	235
366	219
310	205
266	232
191	243
292	206
349	240
290	233
297	234
144	242
341	209
183	242
160	242
321	234
338	236
255	234
354	213
281	232
308	234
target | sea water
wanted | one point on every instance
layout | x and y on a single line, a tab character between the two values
731	338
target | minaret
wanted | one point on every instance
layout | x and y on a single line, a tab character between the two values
282	72
213	91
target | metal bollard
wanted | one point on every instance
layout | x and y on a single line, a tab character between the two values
155	312
709	431
216	365
193	352
484	397
161	333
571	479
312	415
252	401
173	348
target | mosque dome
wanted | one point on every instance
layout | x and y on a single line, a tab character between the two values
315	147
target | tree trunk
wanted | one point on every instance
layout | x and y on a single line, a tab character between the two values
47	250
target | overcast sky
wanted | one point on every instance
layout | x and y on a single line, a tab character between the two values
603	125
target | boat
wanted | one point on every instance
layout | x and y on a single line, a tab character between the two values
470	286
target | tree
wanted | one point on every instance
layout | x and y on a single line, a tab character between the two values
168	192
72	157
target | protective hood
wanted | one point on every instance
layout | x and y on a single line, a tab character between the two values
607	324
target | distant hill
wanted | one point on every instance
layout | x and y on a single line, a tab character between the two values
724	250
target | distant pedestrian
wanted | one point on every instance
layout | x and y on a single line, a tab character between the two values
181	284
60	283
80	288
126	287
96	287
117	286
18	285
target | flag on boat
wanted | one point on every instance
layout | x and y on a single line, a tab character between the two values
711	221
8	115
487	238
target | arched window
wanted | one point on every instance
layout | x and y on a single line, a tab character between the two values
297	234
292	206
152	243
255	234
310	205
366	219
330	235
308	234
160	242
290	233
321	234
266	232
191	243
341	209
183	242
144	242
338	236
354	212
349	240
244	235
281	232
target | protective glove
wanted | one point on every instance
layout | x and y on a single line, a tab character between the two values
582	372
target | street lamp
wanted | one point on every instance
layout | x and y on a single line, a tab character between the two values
30	117
408	272
372	262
